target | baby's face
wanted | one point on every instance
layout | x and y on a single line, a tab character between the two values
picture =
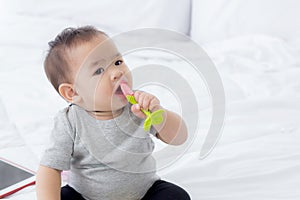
98	70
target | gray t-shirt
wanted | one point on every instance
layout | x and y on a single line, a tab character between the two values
107	159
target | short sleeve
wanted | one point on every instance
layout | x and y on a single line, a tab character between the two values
59	152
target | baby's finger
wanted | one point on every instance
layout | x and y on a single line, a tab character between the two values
146	101
137	95
136	109
154	105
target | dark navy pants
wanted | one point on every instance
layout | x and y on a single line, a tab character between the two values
160	190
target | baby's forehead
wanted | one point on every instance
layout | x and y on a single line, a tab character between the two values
92	50
105	51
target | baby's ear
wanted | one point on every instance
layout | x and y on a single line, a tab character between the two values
67	91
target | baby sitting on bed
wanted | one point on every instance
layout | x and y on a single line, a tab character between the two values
99	137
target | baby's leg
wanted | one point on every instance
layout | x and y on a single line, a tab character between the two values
68	193
166	191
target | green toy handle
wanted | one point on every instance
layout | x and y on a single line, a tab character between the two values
152	118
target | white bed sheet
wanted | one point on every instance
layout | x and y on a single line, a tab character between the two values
258	155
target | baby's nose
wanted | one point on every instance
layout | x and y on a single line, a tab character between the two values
116	75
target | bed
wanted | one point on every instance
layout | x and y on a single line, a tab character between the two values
254	46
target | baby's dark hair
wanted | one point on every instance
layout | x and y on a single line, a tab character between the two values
56	63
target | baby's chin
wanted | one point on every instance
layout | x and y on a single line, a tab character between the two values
113	104
119	105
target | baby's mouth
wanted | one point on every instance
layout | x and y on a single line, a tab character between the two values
119	91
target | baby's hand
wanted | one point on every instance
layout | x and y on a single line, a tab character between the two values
146	101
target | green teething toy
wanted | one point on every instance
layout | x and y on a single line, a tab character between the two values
152	118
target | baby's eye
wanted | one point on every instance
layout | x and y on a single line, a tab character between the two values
99	71
118	62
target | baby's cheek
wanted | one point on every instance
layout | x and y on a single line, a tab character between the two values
128	73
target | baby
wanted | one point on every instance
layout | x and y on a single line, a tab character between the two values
99	137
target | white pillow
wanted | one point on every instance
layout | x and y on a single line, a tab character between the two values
117	15
220	19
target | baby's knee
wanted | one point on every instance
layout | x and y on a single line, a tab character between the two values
182	194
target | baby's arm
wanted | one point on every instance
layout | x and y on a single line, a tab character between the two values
48	183
173	129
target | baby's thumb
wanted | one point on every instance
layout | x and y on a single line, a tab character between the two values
136	109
